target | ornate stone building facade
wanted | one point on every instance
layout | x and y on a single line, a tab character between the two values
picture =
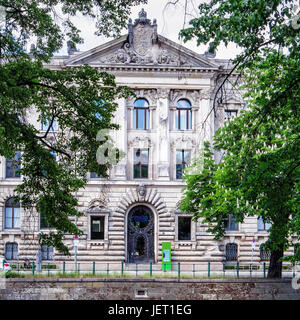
127	217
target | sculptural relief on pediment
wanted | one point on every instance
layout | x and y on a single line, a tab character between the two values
143	47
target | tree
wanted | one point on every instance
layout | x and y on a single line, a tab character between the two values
259	173
81	100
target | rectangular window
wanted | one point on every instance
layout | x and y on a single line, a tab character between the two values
140	167
94	175
182	160
12	217
97	228
43	221
141	118
262	226
11	251
184	228
47	253
230	114
13	166
230	224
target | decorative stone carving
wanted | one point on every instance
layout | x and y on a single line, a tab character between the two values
206	93
141	47
141	190
183	142
163	93
149	94
192	95
140	142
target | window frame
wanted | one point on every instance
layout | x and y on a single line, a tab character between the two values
230	222
179	214
146	115
14	244
264	255
227	256
188	114
102	220
48	227
48	253
183	163
140	163
266	225
13	161
178	225
98	212
13	207
228	114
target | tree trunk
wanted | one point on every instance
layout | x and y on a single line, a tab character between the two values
275	267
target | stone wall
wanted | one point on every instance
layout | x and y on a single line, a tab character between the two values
147	289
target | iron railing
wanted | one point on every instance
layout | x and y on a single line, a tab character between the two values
178	269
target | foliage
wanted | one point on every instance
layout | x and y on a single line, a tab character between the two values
259	173
81	100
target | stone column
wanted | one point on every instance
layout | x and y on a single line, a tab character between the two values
206	116
172	113
120	138
163	147
129	117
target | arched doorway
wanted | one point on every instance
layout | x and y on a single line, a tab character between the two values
140	235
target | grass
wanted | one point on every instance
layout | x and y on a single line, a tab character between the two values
115	275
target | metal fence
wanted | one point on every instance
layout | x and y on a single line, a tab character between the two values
178	269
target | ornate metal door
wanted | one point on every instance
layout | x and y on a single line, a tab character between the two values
140	235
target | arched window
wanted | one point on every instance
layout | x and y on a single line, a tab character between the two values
12	214
183	118
11	251
141	115
231	252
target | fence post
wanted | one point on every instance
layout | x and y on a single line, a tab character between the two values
208	270
251	270
237	269
78	268
136	269
264	269
122	268
150	269
178	269
32	267
193	270
48	269
64	267
107	269
94	267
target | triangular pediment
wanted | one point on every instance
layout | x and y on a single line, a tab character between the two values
142	46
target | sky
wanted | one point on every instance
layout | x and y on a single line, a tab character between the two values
170	20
